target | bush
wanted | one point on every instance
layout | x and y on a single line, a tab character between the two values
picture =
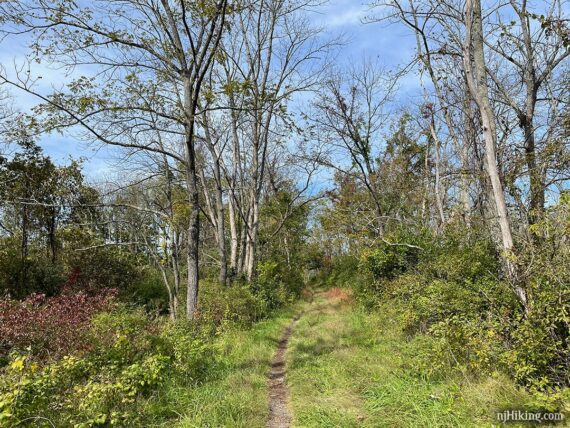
148	290
18	277
238	304
97	268
455	291
49	326
539	354
273	287
341	271
130	357
388	261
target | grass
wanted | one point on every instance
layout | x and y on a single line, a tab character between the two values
233	393
350	368
346	368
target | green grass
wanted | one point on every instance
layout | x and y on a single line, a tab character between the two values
234	391
350	368
346	368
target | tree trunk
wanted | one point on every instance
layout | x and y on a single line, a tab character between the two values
221	230
218	213
176	273
476	75
51	237
24	246
438	199
426	180
536	179
192	240
252	242
234	239
193	237
469	140
242	250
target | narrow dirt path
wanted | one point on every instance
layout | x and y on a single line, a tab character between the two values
279	415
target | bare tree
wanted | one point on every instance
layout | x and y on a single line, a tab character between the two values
351	114
274	54
532	55
476	74
150	58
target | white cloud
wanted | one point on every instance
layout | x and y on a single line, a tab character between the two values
344	18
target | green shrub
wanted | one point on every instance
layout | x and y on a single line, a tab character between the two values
271	286
190	352
342	271
19	278
238	304
539	352
105	267
148	290
388	261
131	357
454	290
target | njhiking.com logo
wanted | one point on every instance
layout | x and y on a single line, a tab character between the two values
526	416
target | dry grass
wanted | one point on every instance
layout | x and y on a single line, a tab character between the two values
339	294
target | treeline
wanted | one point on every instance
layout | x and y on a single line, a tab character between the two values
194	95
61	235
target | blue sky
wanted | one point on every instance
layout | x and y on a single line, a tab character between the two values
391	46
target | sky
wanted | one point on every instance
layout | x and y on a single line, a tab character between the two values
389	45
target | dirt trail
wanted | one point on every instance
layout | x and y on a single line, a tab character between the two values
279	415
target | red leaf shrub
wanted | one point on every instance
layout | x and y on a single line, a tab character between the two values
47	326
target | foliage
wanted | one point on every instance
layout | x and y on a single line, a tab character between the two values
38	199
339	271
41	275
115	361
388	261
49	326
129	357
146	289
98	267
276	285
239	304
452	290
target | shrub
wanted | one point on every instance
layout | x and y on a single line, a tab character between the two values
148	290
28	391
388	261
105	267
270	285
341	271
539	351
455	291
237	304
130	357
18	277
49	326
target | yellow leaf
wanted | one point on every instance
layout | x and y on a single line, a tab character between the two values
18	363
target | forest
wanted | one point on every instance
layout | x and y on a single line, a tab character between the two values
274	213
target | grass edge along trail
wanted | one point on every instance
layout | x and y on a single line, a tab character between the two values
235	393
351	368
